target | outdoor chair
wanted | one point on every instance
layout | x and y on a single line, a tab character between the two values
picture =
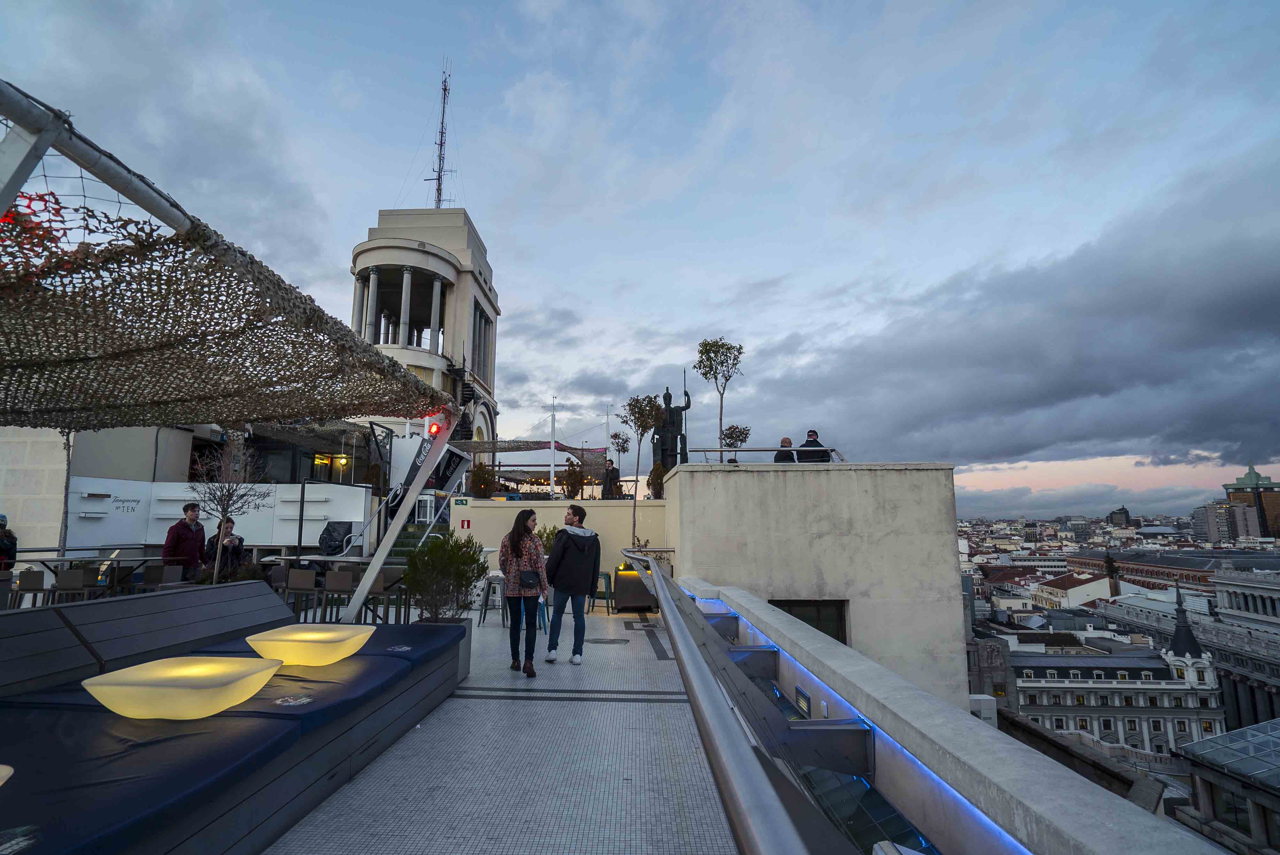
301	586
492	585
6	583
30	584
607	579
74	583
156	575
338	587
277	577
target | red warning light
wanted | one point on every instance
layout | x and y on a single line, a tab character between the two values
433	428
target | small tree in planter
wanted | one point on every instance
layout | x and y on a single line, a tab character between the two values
483	481
441	574
547	534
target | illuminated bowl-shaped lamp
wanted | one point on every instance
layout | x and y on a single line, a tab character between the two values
6	772
311	643
186	687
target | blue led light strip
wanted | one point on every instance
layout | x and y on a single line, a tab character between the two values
999	841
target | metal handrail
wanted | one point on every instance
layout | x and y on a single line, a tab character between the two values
757	817
439	513
350	540
835	452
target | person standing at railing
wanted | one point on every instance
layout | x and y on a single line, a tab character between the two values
184	543
812	441
8	544
574	571
523	568
609	489
784	456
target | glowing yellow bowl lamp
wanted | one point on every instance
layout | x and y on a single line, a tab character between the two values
310	643
185	687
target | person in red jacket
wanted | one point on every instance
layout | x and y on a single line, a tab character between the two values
184	544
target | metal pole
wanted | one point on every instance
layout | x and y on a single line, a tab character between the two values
551	491
302	504
760	823
35	118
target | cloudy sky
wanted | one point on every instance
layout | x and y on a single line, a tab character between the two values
1038	240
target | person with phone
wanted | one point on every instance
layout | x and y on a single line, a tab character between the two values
524	570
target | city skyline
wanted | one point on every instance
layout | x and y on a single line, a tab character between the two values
1035	242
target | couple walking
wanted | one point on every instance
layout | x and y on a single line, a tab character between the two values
573	569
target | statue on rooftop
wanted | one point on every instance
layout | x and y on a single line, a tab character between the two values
670	445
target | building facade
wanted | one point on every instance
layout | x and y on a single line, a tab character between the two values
1224	521
1261	495
424	295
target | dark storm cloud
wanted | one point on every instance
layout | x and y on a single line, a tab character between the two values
1161	338
542	328
1085	499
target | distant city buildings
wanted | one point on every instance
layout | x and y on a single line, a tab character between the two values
1261	495
1216	522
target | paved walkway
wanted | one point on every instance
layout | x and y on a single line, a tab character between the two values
598	759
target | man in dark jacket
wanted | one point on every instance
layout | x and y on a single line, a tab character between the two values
812	456
784	456
573	569
609	490
8	544
184	544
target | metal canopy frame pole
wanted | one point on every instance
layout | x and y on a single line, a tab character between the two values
760	822
35	118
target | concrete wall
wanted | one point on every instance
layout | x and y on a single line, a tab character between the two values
879	536
33	473
971	789
134	454
488	521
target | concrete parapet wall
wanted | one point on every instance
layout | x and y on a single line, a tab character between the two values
1040	805
880	536
488	521
33	473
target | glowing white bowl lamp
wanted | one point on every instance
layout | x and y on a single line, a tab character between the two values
185	687
6	772
310	643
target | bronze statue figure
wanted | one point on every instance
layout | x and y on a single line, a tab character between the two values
670	445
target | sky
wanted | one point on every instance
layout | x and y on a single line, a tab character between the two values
1036	240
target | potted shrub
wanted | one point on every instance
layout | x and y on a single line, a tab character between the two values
439	578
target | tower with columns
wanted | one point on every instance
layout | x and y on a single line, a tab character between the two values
424	295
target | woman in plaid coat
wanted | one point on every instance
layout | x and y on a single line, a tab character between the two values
521	561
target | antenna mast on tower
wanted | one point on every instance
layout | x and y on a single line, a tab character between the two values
440	170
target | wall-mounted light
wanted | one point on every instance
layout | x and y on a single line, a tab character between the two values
341	460
310	644
322	459
185	687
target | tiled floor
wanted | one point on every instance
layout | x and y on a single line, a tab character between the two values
598	758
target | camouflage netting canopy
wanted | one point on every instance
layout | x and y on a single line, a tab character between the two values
107	321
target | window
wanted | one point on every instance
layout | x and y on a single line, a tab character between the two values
998	690
1159	749
1097	675
1153	701
1033	699
1057	699
1051	674
1180	725
1104	700
481	344
1157	726
1128	700
823	615
1131	725
1079	700
1146	675
1122	675
1027	673
1108	725
1206	727
1036	719
1204	702
1177	702
1180	673
1082	724
1059	723
1200	678
1075	675
1230	809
